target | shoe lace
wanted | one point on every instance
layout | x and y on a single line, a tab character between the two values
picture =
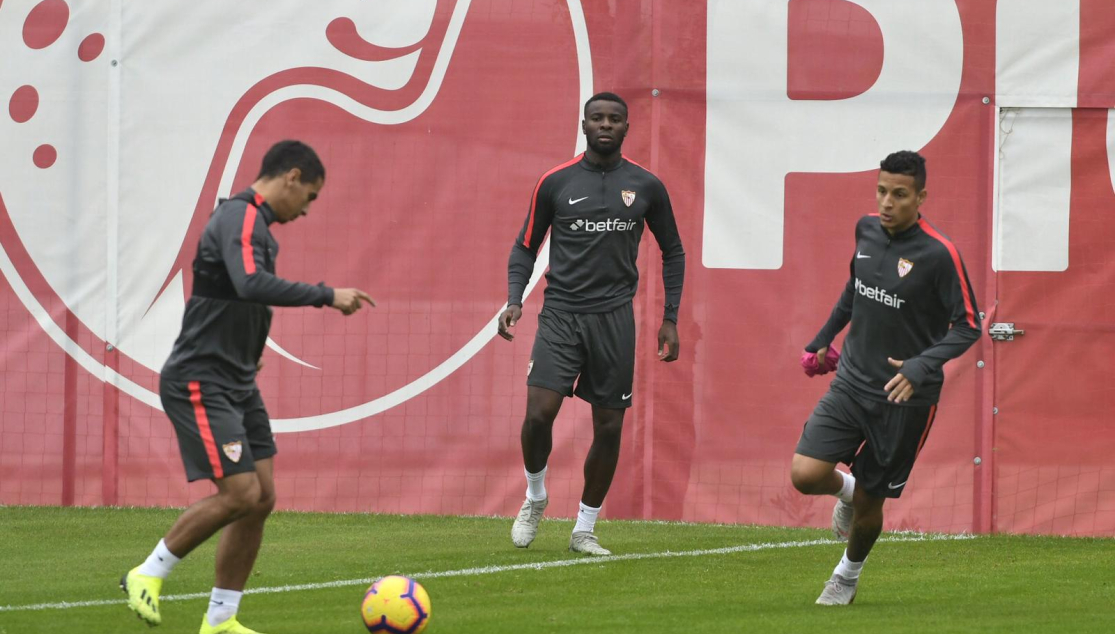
588	538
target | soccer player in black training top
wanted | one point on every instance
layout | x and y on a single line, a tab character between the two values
208	385
912	309
594	207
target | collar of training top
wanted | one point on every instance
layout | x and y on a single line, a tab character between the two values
906	233
594	167
253	198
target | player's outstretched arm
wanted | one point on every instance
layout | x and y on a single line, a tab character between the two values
243	246
349	300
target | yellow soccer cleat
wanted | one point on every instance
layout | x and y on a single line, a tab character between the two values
231	626
143	595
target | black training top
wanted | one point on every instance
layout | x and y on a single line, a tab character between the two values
595	217
909	299
227	317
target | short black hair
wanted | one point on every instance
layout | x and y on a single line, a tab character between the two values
287	155
606	96
908	163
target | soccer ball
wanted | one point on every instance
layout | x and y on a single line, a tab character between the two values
396	605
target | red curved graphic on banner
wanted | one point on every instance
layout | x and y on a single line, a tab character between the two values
354	152
342	34
327	78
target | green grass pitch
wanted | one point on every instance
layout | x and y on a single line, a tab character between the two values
313	570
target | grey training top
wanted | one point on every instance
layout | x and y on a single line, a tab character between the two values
595	217
227	317
908	298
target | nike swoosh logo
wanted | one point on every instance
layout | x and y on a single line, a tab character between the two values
574	202
896	486
860	256
627	396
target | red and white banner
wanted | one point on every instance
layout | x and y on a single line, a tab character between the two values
126	120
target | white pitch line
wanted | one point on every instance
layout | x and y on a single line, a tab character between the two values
488	570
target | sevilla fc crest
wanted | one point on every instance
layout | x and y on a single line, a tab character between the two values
233	450
904	267
628	197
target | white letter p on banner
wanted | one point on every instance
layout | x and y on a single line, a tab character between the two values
755	134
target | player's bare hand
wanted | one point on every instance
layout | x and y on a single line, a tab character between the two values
668	341
507	320
349	300
899	389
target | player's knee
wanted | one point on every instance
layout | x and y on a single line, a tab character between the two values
805	480
266	503
538	419
609	431
801	482
242	499
811	476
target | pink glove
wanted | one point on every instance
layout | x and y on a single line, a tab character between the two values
809	362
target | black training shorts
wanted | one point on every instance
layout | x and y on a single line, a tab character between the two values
599	348
880	440
220	432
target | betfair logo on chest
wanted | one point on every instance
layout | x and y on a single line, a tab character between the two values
612	224
878	294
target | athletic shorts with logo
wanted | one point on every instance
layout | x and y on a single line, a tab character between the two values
880	440
220	432
593	351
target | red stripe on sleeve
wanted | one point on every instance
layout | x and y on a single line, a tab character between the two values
206	432
964	290
246	240
534	199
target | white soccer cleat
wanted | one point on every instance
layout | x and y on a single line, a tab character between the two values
838	590
526	524
585	542
842	520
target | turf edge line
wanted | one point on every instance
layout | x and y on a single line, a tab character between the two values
487	570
